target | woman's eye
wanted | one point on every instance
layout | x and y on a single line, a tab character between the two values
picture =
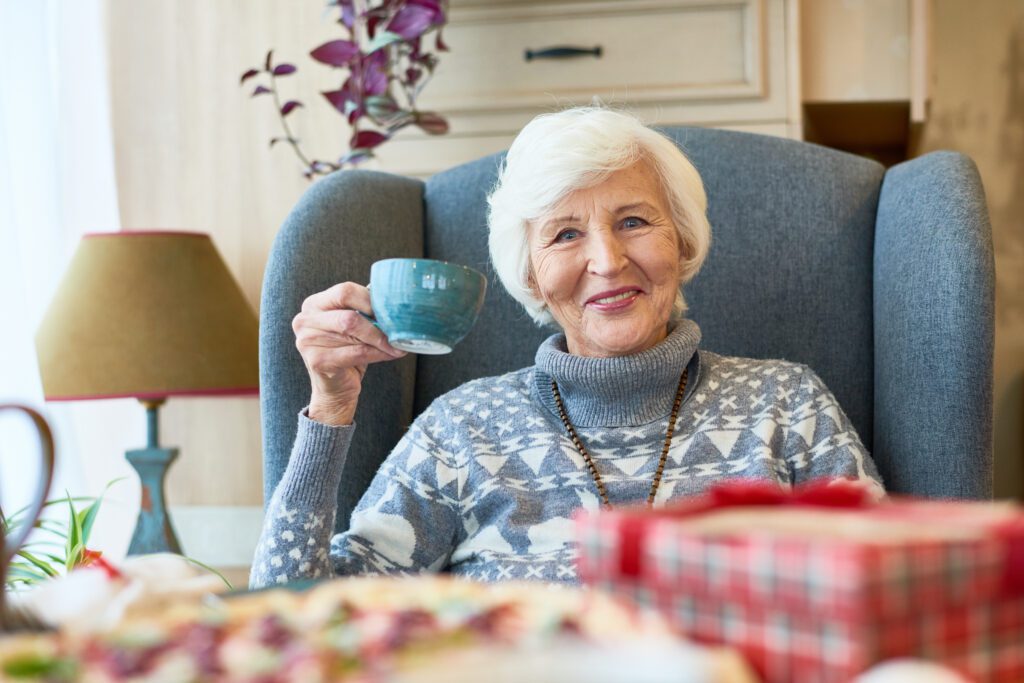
567	235
633	222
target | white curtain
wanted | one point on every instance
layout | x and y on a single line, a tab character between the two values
56	183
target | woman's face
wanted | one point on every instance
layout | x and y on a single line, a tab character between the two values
606	261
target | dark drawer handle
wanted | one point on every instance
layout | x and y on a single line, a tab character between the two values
562	52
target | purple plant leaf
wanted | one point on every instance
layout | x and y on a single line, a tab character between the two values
290	106
367	139
356	156
371	26
428	61
411	21
379	60
260	90
336	53
348	13
350	100
357	112
375	78
266	63
382	109
381	11
384	104
284	69
382	40
247	75
338	99
432	123
402	119
439	43
412	75
433	5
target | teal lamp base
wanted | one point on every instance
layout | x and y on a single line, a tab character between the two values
153	531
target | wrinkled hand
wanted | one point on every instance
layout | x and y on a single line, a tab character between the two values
337	344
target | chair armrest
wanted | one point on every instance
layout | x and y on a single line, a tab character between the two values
934	327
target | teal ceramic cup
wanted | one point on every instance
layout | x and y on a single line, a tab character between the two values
425	306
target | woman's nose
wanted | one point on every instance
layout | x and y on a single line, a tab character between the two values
606	254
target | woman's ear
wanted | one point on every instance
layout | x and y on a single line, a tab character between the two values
531	283
683	255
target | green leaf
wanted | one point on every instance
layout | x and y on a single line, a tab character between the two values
90	512
74	543
383	39
87	517
12	519
20	571
40	564
39	667
74	557
80	523
43	543
52	526
212	571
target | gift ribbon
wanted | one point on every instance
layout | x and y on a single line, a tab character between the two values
831	493
835	493
1012	536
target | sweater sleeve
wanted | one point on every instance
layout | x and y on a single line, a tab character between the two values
409	518
299	519
822	442
406	522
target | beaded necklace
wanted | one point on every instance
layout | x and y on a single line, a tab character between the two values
590	461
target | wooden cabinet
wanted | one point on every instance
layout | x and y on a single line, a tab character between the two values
866	51
724	63
865	74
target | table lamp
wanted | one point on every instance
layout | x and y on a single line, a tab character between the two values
148	315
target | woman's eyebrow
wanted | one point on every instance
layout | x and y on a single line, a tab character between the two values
634	206
557	221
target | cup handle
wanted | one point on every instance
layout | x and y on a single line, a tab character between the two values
10	545
372	320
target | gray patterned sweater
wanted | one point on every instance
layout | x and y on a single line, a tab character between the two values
484	483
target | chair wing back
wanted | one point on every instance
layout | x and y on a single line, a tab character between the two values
343	223
881	282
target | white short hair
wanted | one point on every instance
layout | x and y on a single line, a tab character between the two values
556	154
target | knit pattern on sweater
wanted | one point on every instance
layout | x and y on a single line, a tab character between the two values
485	482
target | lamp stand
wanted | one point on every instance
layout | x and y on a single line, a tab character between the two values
153	531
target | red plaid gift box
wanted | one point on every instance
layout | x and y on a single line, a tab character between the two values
820	584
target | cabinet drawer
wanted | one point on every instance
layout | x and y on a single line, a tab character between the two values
651	51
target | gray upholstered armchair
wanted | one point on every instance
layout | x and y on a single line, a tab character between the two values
881	281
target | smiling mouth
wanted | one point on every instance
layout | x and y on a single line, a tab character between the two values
612	299
618	297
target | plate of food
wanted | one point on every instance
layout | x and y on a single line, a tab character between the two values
417	629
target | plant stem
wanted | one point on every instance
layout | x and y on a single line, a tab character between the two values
288	131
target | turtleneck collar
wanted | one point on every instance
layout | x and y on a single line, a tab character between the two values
622	391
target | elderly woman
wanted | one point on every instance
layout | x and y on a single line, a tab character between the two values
595	223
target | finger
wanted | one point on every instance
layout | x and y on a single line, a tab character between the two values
328	361
341	296
343	327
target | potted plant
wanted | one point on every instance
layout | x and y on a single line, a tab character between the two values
385	63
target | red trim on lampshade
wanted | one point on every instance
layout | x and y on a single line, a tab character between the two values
147	233
239	391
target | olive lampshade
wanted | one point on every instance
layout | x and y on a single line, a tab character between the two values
147	314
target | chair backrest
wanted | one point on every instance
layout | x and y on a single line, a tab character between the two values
793	273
